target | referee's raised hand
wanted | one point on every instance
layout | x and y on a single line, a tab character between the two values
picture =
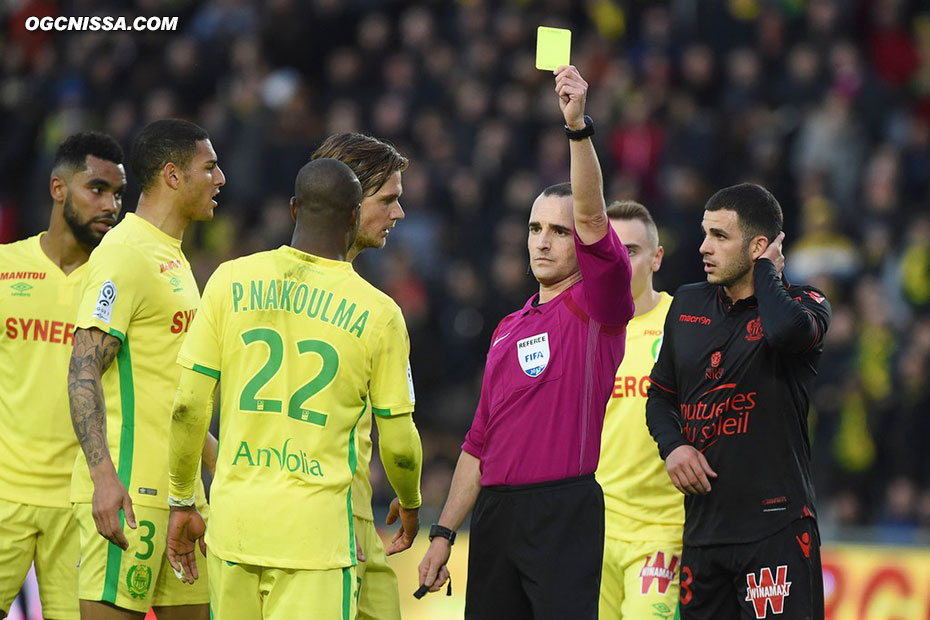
572	91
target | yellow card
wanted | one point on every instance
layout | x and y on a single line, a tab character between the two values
553	47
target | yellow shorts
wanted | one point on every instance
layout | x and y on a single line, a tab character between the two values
377	584
141	576
248	592
640	580
48	537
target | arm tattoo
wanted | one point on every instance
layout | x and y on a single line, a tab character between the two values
93	353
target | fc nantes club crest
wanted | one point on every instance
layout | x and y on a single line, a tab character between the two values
533	353
139	580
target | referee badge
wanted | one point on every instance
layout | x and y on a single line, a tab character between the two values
533	353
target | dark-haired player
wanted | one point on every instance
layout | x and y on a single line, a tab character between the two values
41	279
138	302
728	408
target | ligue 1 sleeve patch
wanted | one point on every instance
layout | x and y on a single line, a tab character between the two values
104	308
533	353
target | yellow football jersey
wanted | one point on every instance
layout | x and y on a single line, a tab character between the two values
641	502
361	483
139	288
300	345
38	302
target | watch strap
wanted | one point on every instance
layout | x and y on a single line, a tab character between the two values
581	134
443	532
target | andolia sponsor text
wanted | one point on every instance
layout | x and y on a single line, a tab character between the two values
262	457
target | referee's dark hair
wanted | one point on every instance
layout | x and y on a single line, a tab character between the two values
160	142
757	210
559	189
372	160
73	152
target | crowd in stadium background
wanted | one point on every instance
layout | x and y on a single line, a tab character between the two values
824	102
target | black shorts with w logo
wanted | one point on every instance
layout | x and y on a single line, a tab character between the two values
776	577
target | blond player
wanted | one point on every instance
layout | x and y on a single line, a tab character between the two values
378	167
41	279
644	512
138	302
302	345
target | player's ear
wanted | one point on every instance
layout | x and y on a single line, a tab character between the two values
172	175
294	208
657	259
757	246
58	188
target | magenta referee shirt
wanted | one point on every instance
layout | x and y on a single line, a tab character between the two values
549	374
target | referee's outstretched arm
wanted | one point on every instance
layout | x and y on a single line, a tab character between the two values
589	209
466	483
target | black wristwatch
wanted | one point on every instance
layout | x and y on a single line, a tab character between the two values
581	134
442	532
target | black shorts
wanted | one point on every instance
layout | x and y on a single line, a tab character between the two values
776	577
535	551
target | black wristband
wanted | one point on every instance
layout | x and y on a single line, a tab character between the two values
581	134
442	532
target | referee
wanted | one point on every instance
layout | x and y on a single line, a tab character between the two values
728	406
537	534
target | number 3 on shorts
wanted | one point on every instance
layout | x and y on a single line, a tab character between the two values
147	539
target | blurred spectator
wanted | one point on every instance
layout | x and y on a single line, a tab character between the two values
831	140
822	249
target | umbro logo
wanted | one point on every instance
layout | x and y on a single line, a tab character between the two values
21	289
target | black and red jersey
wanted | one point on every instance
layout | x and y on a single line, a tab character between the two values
734	381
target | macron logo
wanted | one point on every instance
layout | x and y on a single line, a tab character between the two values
691	318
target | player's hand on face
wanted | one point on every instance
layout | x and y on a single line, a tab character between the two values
433	571
409	527
689	470
109	497
572	91
774	253
185	530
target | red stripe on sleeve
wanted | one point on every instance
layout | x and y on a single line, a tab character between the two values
655	383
